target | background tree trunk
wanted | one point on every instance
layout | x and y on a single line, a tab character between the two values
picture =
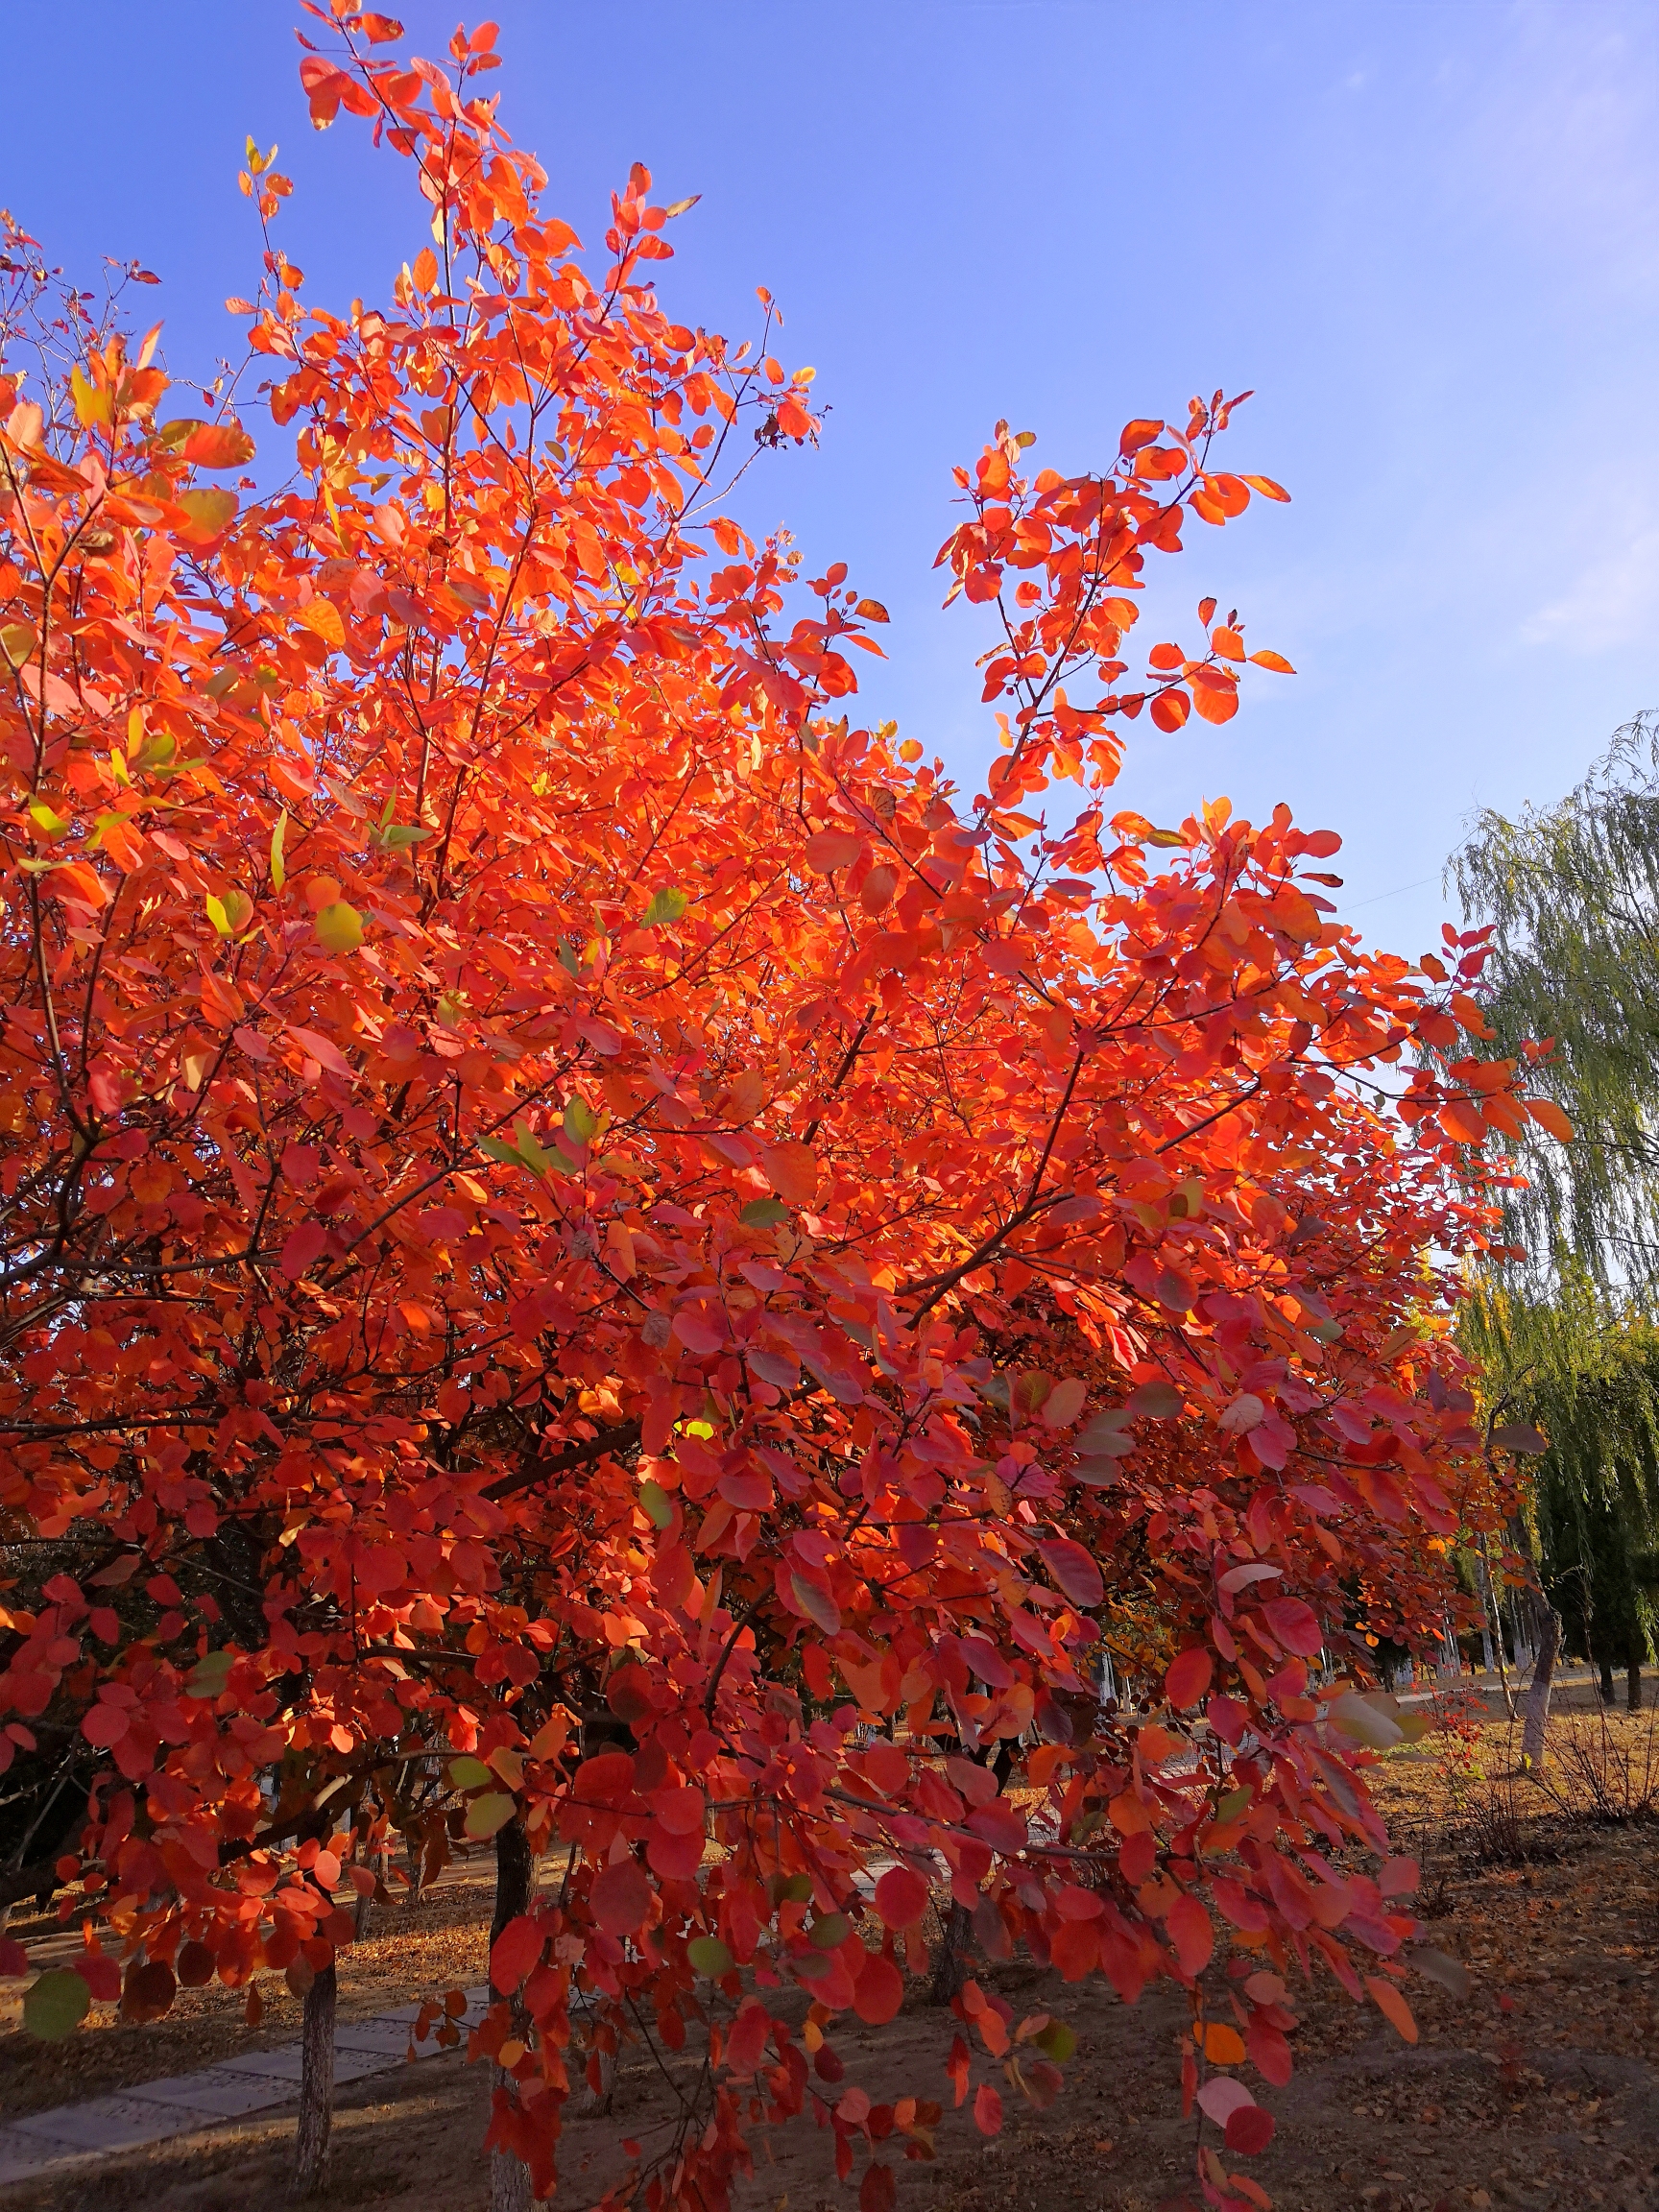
316	2086
950	1968
514	1873
1606	1666
1547	1628
1633	1686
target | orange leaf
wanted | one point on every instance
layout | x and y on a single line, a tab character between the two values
1390	2001
1550	1117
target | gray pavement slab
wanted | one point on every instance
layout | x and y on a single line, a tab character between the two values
215	2094
101	2124
23	2157
281	2065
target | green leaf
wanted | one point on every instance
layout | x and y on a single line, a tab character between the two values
157	754
581	1122
656	1502
486	1814
763	1213
48	822
17	640
1057	2041
1165	837
56	2005
708	1956
1230	1807
530	1150
468	1774
829	1930
569	958
796	1888
402	835
279	864
498	1148
666	906
208	1676
339	928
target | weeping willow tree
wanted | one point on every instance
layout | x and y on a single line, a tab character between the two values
1582	1371
1572	895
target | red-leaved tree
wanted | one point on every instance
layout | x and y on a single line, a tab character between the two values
589	1243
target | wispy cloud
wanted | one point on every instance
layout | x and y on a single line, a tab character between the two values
1614	601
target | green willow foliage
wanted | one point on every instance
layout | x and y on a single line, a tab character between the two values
1585	1371
1572	892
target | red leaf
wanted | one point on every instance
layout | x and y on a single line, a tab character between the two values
515	1952
622	1898
1191	1933
1076	1573
1295	1624
987	2110
878	1991
879	2192
901	1897
1188	1677
1249	2130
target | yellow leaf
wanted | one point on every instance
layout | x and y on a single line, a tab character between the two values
91	405
339	928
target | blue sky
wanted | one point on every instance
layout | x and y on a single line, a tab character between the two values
1425	234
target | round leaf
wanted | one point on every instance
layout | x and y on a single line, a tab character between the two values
55	2005
486	1814
709	1956
339	928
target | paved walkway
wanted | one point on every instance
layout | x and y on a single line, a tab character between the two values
185	2104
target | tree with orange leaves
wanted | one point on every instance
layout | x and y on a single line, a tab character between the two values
580	1227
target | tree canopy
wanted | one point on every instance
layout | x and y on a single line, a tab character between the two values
578	1222
1571	895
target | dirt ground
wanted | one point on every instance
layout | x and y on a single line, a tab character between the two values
1540	2089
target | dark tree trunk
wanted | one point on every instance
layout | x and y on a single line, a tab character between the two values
950	1968
1545	1625
316	2086
515	1871
1633	1686
1607	1691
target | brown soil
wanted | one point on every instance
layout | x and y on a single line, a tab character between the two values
1541	2089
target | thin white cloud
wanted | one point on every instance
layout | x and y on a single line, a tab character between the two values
1615	601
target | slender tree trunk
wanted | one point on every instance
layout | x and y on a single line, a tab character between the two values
509	2176
1489	1596
1547	1626
316	2086
950	1969
1607	1669
1633	1686
596	2104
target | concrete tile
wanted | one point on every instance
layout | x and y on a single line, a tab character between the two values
283	2065
215	2094
24	2156
356	2065
390	2037
101	2124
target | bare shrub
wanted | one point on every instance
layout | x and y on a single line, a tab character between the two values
1604	1767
